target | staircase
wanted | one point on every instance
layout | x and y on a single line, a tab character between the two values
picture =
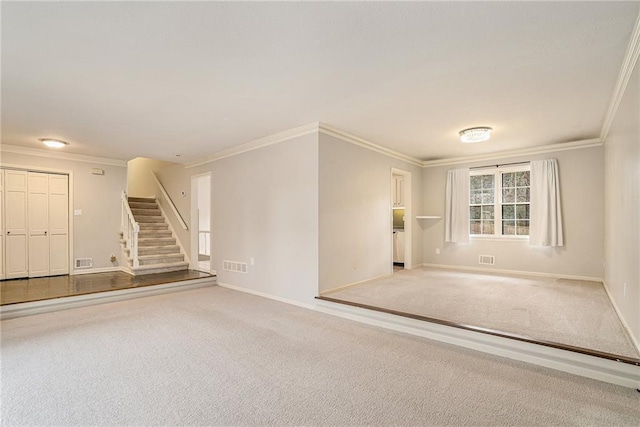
157	249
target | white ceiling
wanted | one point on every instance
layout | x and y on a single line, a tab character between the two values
154	79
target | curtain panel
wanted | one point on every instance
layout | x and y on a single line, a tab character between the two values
456	225
546	212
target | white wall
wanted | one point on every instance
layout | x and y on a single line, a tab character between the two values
355	218
96	232
204	203
622	206
581	187
264	206
140	182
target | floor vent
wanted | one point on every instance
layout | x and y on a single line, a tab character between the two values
84	262
486	260
237	267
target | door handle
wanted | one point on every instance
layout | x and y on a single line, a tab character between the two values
45	233
8	232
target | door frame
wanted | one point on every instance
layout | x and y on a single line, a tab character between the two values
408	218
195	222
56	171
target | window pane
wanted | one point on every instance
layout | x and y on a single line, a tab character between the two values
487	181
487	212
474	212
523	228
508	180
487	197
522	195
476	197
475	227
522	211
508	212
522	179
476	182
487	227
509	195
508	227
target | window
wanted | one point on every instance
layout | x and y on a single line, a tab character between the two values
499	202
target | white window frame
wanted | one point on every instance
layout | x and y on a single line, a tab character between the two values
497	205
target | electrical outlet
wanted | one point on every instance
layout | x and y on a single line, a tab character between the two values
252	261
437	251
113	258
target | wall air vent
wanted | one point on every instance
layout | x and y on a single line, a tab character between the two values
234	266
486	260
84	263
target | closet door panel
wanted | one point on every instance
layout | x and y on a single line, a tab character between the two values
15	224
59	254
38	255
38	208
59	224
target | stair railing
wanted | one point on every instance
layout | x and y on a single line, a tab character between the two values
169	201
130	229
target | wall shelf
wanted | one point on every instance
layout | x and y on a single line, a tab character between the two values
428	217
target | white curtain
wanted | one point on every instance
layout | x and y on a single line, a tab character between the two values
456	221
546	215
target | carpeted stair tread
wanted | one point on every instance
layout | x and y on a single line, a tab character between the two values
140	205
154	233
160	268
156	241
159	259
145	212
141	199
149	218
153	226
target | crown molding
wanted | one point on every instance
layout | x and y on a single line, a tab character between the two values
256	144
628	64
331	131
4	148
563	146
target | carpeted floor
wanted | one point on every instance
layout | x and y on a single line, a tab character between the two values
214	356
572	312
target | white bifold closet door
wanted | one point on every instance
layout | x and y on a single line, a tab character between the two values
15	224
1	224
48	224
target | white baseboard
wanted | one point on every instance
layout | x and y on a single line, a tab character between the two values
339	288
517	272
77	272
601	369
634	340
265	295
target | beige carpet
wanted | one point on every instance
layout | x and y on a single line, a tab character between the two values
214	356
572	312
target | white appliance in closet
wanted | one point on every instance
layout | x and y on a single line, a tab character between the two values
35	218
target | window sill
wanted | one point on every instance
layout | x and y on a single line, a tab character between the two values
499	238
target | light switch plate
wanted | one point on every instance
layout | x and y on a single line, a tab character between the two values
77	212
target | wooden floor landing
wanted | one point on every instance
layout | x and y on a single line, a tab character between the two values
18	291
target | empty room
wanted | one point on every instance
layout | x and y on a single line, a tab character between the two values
320	213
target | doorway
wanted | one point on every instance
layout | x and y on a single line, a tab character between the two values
401	224
201	222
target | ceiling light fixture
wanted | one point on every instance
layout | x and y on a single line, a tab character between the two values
473	135
53	143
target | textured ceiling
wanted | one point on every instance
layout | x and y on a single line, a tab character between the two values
157	79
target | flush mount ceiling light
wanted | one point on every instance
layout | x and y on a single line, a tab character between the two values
478	134
53	143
